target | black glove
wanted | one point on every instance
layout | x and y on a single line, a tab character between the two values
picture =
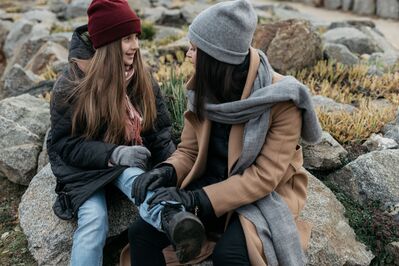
195	201
164	176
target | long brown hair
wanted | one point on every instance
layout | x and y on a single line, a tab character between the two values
99	96
216	81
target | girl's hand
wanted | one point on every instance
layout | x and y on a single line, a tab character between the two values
132	156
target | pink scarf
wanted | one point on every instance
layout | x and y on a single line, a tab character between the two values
133	123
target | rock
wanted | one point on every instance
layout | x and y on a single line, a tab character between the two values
48	54
352	23
393	250
340	53
18	81
153	14
372	176
172	17
190	10
376	142
327	155
332	4
23	123
388	9
364	7
181	45
347	5
77	8
40	16
329	105
333	241
391	130
355	40
43	159
19	33
5	27
50	238
385	61
294	47
58	7
378	38
165	32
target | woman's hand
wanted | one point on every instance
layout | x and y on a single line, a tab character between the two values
132	156
164	176
186	198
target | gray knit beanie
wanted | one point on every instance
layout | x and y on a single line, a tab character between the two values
225	30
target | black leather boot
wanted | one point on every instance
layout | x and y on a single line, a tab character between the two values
184	230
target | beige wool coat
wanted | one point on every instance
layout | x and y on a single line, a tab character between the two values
278	168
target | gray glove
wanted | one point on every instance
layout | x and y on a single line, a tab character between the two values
132	156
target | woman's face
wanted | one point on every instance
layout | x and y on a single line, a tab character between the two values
192	53
130	44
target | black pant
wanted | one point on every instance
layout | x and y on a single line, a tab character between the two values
147	243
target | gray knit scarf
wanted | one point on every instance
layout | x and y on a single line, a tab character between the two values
271	216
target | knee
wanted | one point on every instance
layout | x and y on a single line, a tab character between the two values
94	220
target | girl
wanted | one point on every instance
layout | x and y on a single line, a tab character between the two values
239	165
107	118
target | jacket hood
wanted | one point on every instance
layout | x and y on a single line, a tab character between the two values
81	46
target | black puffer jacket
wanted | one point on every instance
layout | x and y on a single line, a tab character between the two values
80	165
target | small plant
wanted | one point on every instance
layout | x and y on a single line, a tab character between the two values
60	28
147	30
359	125
348	84
174	91
49	74
372	226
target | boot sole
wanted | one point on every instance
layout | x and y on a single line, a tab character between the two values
188	236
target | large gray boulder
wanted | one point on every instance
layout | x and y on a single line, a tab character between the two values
340	53
329	105
328	154
295	45
50	238
333	242
19	33
364	7
354	39
23	124
388	8
18	81
372	176
347	5
77	8
333	4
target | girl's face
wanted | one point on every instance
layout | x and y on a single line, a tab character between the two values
130	44
192	53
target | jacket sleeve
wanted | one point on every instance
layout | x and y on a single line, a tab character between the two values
268	170
184	157
159	139
75	151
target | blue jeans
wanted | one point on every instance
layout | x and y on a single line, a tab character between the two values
91	232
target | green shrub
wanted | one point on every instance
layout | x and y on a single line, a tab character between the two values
175	96
147	30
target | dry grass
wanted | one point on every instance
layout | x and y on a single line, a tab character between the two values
349	84
357	126
352	85
49	74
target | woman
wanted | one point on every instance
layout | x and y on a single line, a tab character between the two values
107	119
239	165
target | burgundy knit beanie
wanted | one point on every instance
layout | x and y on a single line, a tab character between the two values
110	20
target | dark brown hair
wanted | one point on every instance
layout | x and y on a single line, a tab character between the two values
216	81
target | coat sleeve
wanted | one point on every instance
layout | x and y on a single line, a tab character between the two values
159	139
75	151
268	170
184	157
